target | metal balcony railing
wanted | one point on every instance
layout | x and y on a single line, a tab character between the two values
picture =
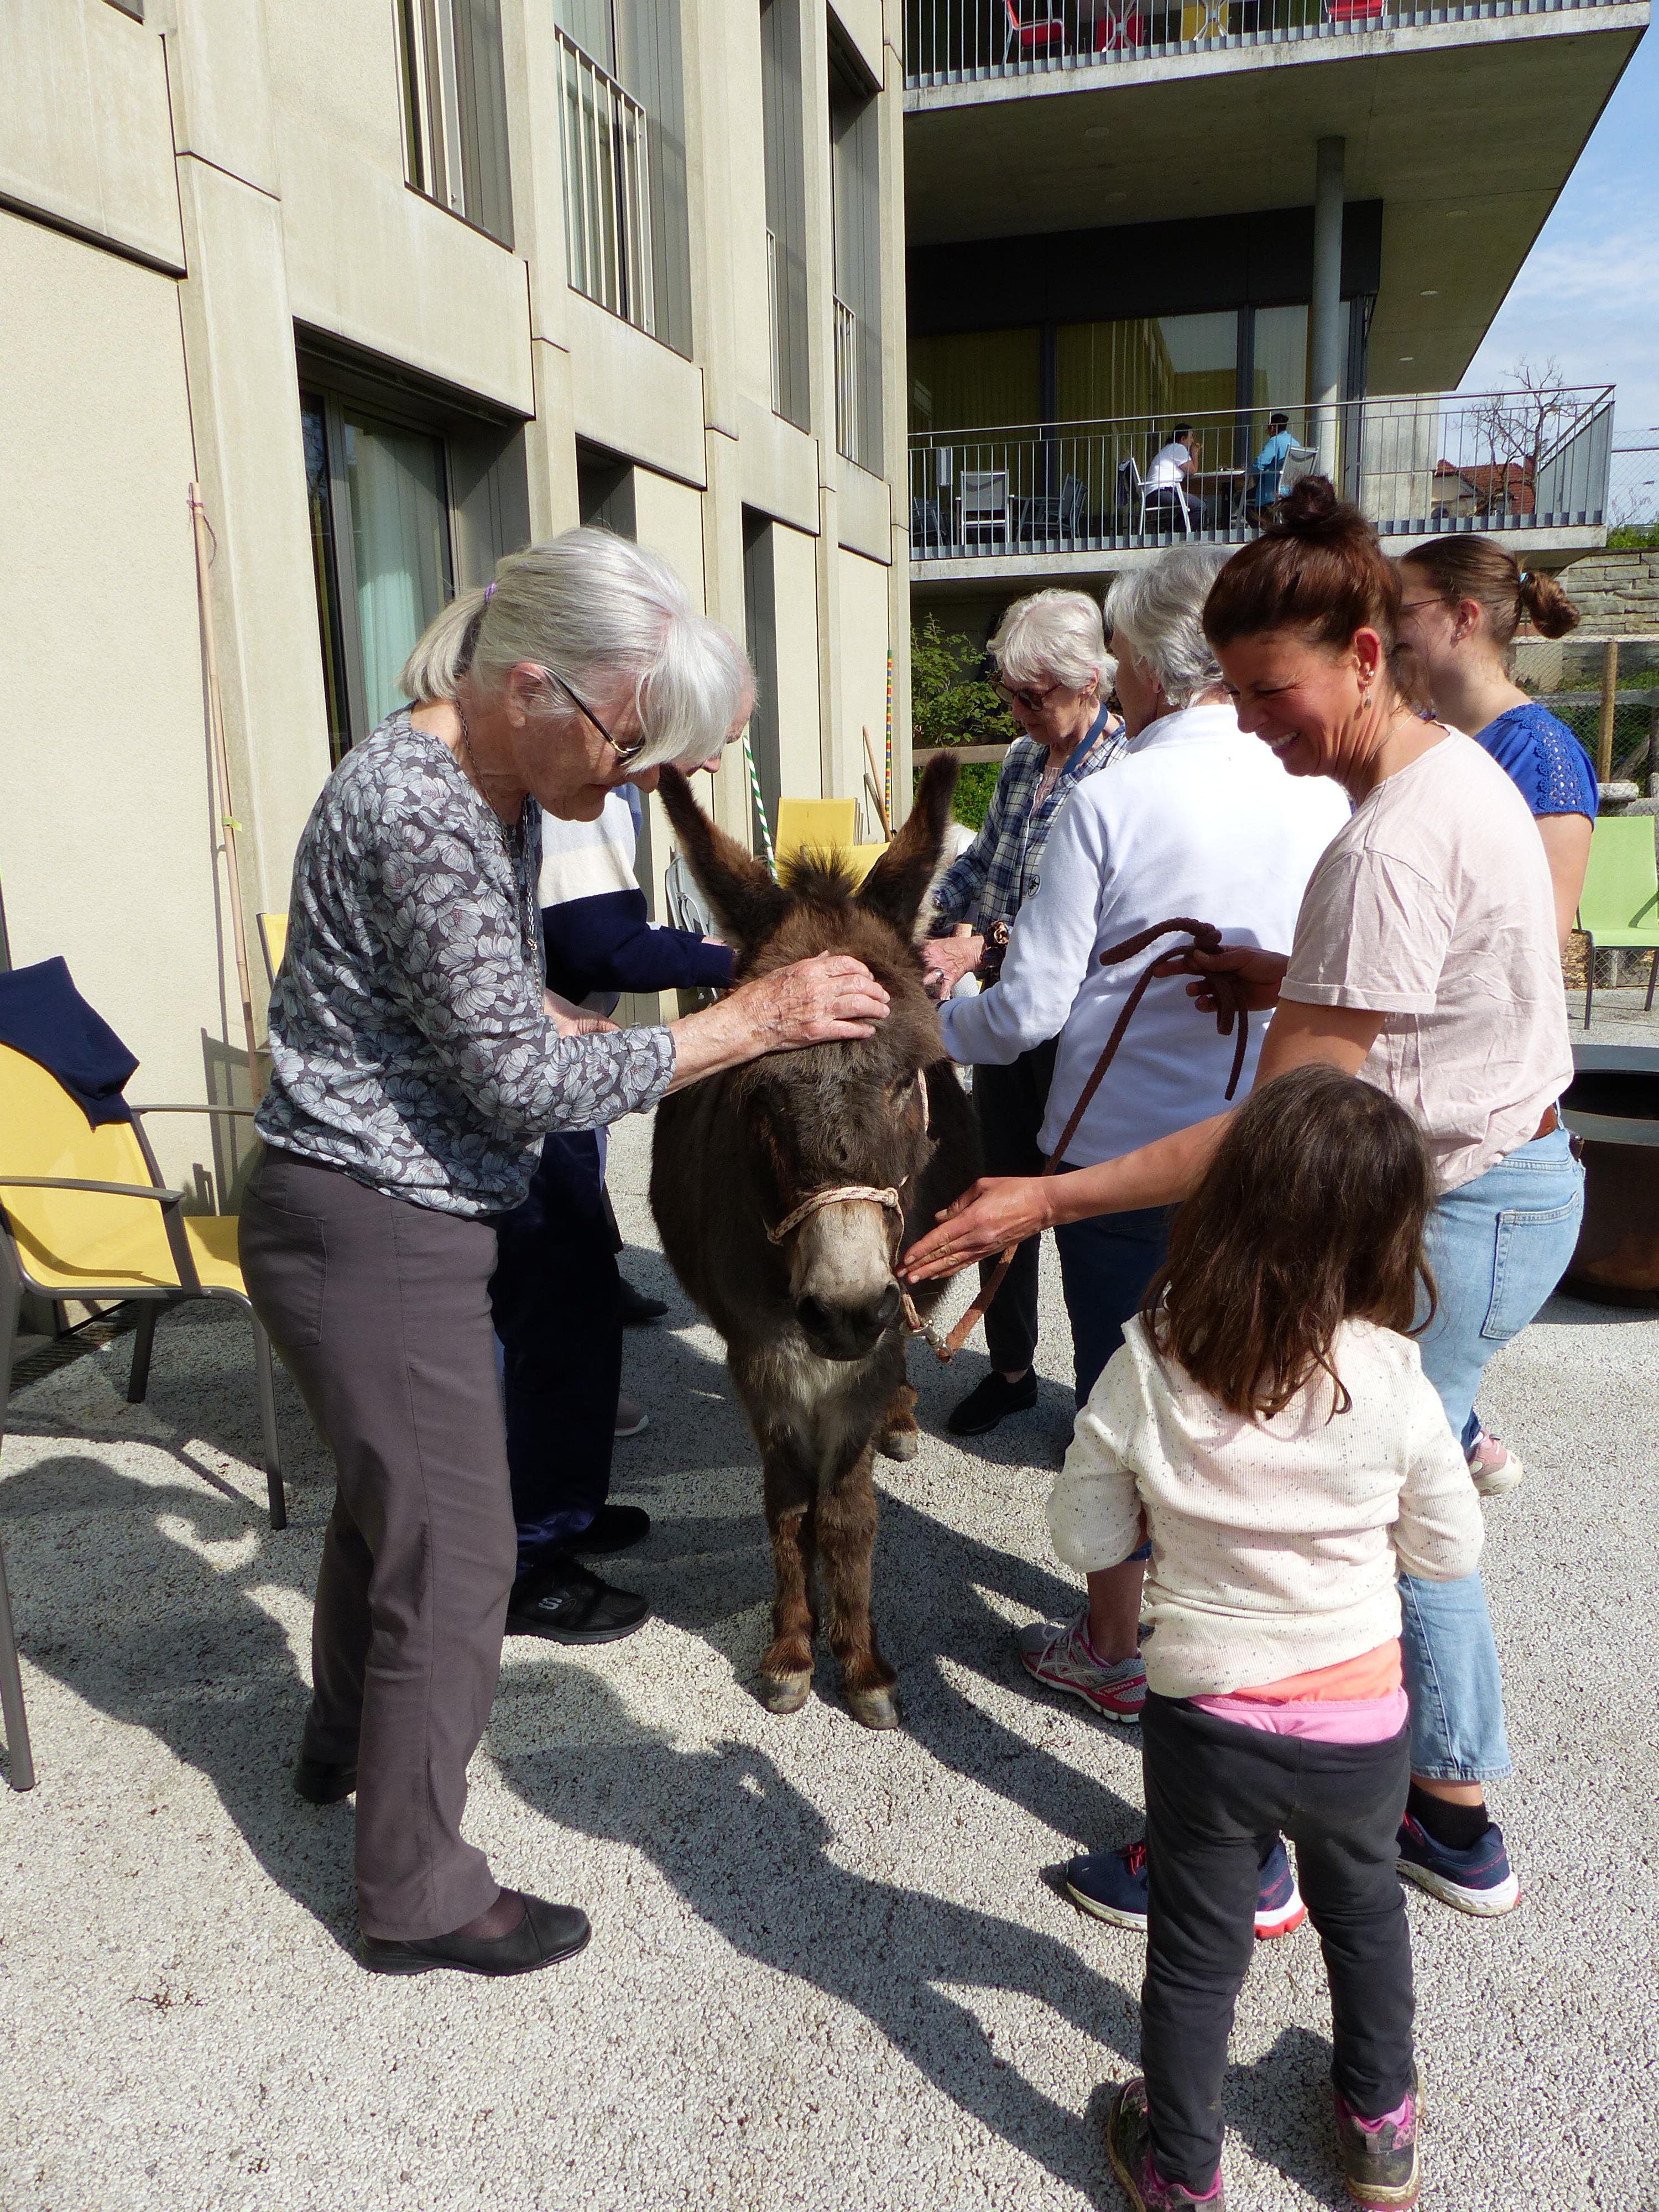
1498	461
955	42
846	381
607	207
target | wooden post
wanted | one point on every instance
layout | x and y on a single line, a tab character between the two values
875	788
1609	708
221	763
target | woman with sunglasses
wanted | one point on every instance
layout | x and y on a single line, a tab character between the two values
1054	673
417	1062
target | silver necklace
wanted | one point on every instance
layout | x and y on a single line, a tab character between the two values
527	930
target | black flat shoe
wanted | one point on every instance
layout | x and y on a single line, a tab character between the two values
320	1784
547	1933
567	1604
637	1310
613	1528
993	1402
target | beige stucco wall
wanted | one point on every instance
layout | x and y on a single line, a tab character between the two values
105	821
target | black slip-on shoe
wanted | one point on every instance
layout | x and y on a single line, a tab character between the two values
637	1310
547	1933
320	1784
992	1402
567	1603
613	1528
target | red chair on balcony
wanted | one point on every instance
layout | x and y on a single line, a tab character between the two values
1355	15
1035	27
1119	30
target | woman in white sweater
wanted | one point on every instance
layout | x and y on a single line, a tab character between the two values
1193	818
1268	1420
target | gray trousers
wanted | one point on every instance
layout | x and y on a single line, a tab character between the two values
380	1310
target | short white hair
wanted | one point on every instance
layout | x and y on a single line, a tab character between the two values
1156	613
591	607
1054	636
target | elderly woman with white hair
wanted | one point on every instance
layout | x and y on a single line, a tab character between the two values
417	1062
1196	818
1054	674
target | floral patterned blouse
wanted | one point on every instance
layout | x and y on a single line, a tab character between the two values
410	1046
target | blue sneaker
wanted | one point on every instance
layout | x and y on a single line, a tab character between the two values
1477	1878
1112	1885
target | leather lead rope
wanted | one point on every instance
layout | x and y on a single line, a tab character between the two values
1230	1008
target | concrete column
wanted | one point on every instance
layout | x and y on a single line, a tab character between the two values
1326	334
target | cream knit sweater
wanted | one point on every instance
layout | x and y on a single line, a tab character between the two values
1275	1543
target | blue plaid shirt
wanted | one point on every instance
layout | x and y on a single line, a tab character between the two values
1002	868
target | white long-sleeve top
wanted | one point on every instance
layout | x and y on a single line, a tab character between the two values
1195	818
1275	1543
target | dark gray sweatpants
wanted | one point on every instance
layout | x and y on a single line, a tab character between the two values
381	1312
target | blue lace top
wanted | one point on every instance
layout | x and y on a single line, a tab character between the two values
1543	759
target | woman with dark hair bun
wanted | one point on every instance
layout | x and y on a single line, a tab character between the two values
1463	601
1425	957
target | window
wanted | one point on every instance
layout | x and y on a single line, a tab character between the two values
627	224
381	539
855	148
782	118
604	491
454	99
133	7
760	623
978	380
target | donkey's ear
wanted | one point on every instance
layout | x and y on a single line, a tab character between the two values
747	903
896	887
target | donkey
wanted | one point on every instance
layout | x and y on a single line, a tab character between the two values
774	1190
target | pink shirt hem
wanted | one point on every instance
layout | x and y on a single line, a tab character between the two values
1317	1720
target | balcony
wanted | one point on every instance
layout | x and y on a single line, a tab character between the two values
1047	501
966	41
607	203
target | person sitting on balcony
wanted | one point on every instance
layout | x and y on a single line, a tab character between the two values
1054	674
1167	495
1268	465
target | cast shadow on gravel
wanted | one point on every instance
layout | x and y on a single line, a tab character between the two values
145	1629
755	1859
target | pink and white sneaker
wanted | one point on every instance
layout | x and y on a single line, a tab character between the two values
1059	1654
1495	1467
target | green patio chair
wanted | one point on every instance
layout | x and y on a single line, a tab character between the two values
1619	906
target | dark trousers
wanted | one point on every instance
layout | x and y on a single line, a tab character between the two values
557	1298
1216	1794
1105	1264
379	1312
1010	1104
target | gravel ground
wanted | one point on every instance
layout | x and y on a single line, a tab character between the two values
828	1970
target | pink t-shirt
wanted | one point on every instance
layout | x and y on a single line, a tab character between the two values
1433	907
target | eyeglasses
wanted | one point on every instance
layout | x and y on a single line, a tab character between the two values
625	752
1033	702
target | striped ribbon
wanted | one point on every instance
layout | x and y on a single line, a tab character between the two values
760	804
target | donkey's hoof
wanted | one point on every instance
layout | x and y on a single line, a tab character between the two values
786	1693
900	1443
873	1709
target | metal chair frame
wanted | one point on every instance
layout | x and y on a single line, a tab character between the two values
16	1281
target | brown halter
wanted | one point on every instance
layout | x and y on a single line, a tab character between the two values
1229	1007
850	1194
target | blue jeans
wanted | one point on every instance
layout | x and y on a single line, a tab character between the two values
1496	1248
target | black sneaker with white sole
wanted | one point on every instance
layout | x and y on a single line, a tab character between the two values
568	1603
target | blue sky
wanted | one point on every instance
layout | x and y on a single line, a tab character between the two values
1588	295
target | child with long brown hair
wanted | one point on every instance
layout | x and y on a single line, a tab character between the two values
1268	1417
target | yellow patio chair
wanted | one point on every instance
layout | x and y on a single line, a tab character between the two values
1619	906
273	941
824	825
1204	22
84	1214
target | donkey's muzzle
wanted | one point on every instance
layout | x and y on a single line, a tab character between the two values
843	1332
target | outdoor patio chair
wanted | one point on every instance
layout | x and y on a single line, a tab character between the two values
983	505
1033	27
926	527
84	1214
1349	13
1619	906
273	941
1118	31
1073	500
1204	22
1299	462
824	825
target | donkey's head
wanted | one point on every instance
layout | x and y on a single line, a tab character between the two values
834	1116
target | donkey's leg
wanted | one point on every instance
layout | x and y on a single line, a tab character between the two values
898	1437
847	1538
787	1667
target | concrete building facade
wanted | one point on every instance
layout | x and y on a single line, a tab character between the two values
405	284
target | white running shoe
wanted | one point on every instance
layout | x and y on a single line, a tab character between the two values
1059	1654
1495	1467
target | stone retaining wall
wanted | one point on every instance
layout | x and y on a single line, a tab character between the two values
1617	594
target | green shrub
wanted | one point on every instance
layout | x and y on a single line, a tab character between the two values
975	782
1634	537
950	703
